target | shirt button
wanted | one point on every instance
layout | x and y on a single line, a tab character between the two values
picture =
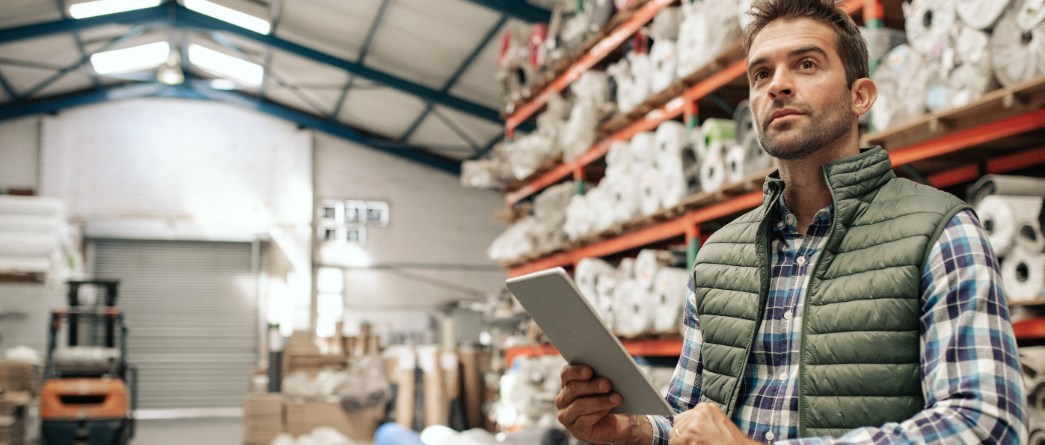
787	315
770	435
801	261
790	219
783	375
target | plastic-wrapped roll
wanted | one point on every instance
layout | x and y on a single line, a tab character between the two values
1018	53
589	272
626	269
550	205
901	76
642	76
669	297
648	263
31	205
1029	14
618	158
28	244
600	202
981	14
707	28
643	151
579	132
650	185
735	164
755	157
1023	275
625	197
743	18
969	79
719	130
634	313
669	139
881	40
1000	216
713	169
1005	185
579	218
674	183
607	290
25	264
1029	237
743	120
665	25
691	169
620	72
31	224
662	56
930	25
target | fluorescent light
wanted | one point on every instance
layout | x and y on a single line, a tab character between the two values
103	7
222	84
130	59
230	15
224	65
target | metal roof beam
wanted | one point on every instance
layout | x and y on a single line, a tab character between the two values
198	90
363	51
185	18
6	85
517	9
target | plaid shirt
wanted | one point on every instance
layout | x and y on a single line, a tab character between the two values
970	374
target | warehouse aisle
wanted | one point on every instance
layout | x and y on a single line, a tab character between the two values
198	431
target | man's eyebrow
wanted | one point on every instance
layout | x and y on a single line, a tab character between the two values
792	53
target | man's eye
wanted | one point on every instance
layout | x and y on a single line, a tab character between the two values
808	64
761	74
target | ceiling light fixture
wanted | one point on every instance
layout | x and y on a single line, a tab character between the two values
234	68
229	15
104	7
135	58
170	72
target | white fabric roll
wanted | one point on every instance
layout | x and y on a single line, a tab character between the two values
550	205
1018	54
579	218
1030	14
744	19
621	74
589	272
713	169
1023	275
981	14
31	205
669	139
31	224
673	181
579	133
665	25
29	245
634	311
970	77
607	290
1000	216
707	28
1029	237
626	269
714	129
662	56
643	151
669	297
735	164
600	203
900	77
648	263
625	197
24	264
650	186
642	77
930	25
743	120
755	157
618	158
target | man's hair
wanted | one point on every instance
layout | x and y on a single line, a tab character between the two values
852	48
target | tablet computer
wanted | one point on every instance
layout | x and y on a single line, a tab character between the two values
577	331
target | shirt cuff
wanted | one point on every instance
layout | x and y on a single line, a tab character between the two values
661	429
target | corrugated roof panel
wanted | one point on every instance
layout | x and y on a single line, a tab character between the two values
74	81
57	50
381	110
434	132
25	12
336	27
479	81
425	41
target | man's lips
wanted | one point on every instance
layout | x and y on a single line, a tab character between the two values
783	112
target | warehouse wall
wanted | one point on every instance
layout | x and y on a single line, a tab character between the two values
19	154
434	221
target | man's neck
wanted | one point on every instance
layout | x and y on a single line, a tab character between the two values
805	189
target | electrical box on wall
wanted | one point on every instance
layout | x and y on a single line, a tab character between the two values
347	221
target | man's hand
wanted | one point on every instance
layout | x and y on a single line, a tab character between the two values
706	424
584	406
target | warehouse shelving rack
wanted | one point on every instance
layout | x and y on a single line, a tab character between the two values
1001	132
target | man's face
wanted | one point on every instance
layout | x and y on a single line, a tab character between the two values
798	94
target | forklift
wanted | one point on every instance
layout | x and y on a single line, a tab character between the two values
88	393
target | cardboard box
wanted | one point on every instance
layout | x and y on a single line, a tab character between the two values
302	418
262	418
18	376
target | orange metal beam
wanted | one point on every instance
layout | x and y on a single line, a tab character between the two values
1003	164
588	60
654	347
966	138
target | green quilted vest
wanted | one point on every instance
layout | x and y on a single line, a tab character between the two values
859	360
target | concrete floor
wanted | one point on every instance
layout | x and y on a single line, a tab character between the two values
196	431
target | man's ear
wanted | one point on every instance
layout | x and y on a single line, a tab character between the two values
864	94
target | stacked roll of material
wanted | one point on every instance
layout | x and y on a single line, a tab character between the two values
485	173
881	40
606	288
516	241
1014	228
650	186
691	159
634	309
590	271
930	26
981	14
1007	185
600	201
664	58
34	237
665	25
618	159
649	262
743	18
902	75
1023	275
668	299
1018	43
620	72
643	151
641	78
1002	216
669	139
591	94
624	196
579	218
515	73
713	167
708	27
966	73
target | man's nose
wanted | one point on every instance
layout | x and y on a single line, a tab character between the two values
781	85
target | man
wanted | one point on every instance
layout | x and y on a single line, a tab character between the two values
852	306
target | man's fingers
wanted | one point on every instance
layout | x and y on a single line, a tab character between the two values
588	406
577	389
573	373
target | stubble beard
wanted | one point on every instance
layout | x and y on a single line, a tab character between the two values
825	127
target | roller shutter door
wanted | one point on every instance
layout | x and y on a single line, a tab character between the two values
192	311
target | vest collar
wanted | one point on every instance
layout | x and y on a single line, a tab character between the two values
847	178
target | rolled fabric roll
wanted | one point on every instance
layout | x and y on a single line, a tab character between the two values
930	25
625	197
881	40
743	18
755	157
31	205
981	14
743	120
1000	216
579	132
634	310
1018	54
31	224
648	263
1023	275
900	76
713	169
970	77
714	129
736	166
621	74
665	25
579	218
1029	14
28	245
663	58
643	151
707	28
669	139
618	158
589	272
1029	237
651	184
642	76
691	169
607	290
1007	185
669	297
673	182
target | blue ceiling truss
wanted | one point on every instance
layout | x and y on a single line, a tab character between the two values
517	9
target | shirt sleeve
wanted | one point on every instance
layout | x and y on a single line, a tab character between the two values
970	373
684	390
